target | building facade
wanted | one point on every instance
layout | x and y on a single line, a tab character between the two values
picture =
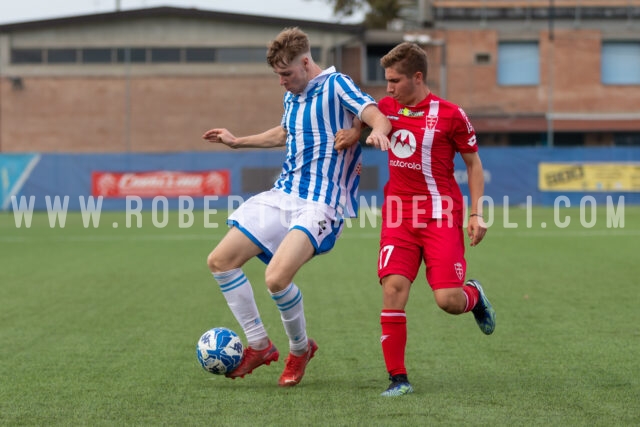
150	80
532	72
153	80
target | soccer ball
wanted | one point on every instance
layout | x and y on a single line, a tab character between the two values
219	351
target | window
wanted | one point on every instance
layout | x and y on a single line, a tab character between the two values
242	54
200	54
316	54
518	64
96	56
375	72
483	58
626	138
165	54
136	54
563	139
26	56
620	63
523	139
144	55
62	56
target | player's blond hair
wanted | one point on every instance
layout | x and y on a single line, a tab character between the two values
407	58
287	46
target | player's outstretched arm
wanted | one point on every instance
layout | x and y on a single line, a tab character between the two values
274	137
380	127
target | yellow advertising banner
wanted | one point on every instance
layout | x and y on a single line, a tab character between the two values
605	177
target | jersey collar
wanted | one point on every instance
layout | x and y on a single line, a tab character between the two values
317	80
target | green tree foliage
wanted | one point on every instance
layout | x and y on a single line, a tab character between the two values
347	7
379	14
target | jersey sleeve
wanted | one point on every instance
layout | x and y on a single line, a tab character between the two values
350	95
386	105
463	134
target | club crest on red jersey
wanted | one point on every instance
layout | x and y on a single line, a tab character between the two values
459	270
432	121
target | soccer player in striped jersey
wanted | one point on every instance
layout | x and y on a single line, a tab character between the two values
422	214
302	215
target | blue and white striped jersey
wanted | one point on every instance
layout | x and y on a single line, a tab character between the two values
313	170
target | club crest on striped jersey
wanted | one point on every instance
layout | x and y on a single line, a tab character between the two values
403	143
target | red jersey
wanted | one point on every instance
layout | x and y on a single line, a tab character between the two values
424	141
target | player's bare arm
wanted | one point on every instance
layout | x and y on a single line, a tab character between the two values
476	228
274	137
380	127
345	138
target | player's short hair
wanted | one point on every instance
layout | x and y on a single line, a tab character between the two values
287	46
408	58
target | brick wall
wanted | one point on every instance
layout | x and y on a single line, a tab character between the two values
166	113
162	114
577	86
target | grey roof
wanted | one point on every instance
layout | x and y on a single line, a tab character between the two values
182	12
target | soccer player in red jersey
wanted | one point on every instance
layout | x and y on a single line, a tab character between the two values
423	212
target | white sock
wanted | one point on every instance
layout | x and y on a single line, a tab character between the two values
239	295
289	302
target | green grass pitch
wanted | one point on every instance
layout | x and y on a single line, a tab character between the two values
98	327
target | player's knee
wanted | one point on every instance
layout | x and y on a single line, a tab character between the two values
450	303
392	292
212	262
217	263
275	281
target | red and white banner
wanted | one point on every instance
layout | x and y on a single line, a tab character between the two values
160	183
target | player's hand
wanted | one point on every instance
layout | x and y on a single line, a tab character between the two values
221	136
378	140
345	138
476	229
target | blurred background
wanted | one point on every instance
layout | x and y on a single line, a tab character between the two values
108	88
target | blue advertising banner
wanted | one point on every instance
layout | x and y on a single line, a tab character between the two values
512	175
15	169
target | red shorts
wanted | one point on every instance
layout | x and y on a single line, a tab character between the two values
441	244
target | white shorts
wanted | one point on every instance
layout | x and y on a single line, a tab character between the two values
266	218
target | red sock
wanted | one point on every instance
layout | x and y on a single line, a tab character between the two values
394	340
472	297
